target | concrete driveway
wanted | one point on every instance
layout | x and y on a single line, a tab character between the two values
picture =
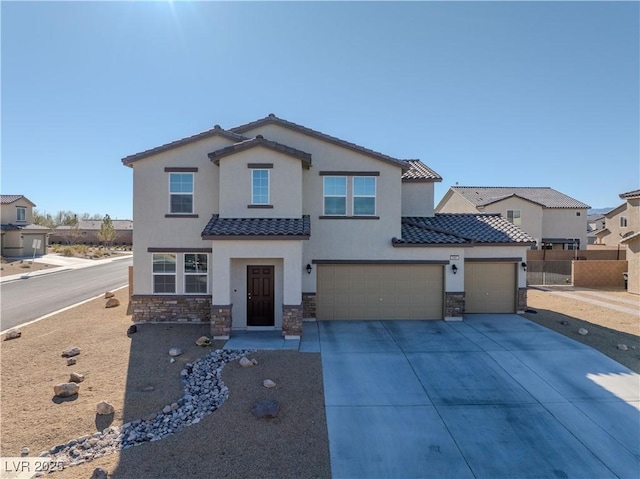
493	396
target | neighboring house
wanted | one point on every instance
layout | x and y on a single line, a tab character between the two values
20	237
621	221
270	222
553	219
631	239
87	233
595	224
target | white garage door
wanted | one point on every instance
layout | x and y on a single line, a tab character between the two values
490	287
380	291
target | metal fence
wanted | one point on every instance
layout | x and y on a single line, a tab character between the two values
548	272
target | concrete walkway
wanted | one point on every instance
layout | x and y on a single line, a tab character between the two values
493	396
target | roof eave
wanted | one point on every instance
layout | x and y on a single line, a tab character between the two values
254	237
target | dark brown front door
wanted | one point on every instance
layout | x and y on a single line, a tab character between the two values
260	296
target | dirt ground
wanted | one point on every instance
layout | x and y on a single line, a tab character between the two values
10	267
606	327
120	369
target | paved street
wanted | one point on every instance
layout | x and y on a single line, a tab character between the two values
28	299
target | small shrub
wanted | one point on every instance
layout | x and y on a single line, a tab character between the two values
25	265
67	251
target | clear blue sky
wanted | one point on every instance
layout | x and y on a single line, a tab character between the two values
494	94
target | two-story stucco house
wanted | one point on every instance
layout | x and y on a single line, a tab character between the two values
270	222
20	237
621	221
553	219
630	238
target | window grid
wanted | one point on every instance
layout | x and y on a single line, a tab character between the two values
260	187
623	222
514	217
164	273
335	195
364	195
181	193
21	213
195	273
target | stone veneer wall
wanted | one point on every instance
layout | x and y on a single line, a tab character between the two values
171	308
221	320
454	305
308	305
522	299
292	320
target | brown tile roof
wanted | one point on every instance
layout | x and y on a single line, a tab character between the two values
544	196
256	228
261	141
272	119
10	227
215	131
630	194
461	229
8	199
419	172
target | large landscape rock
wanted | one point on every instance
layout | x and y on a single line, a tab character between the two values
76	378
112	303
99	473
203	341
70	352
104	408
12	334
266	408
108	295
64	390
173	352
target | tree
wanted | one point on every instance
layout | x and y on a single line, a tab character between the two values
107	233
43	219
71	235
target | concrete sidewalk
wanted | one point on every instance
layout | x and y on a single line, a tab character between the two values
61	263
493	396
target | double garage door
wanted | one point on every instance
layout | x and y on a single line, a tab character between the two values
380	291
490	287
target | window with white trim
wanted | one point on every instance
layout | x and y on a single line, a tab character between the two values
260	187
335	195
181	193
623	222
195	273
164	273
513	216
364	195
21	214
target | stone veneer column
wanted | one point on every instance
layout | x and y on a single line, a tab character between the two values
522	300
291	321
308	305
453	306
221	321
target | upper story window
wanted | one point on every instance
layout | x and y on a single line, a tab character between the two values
195	273
623	222
260	187
335	195
181	193
513	216
21	214
164	273
364	195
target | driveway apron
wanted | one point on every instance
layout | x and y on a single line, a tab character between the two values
493	396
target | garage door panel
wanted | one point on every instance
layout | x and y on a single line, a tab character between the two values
380	292
490	287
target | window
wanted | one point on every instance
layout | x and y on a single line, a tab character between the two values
181	193
623	222
513	216
195	273
260	187
164	273
21	214
364	195
335	195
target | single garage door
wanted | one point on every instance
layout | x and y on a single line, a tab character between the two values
490	287
375	291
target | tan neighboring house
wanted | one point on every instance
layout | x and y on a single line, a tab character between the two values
631	239
87	233
19	236
553	219
621	221
595	223
264	224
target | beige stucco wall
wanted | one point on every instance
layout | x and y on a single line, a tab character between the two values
11	243
417	198
151	204
9	215
452	202
630	210
565	223
285	185
633	255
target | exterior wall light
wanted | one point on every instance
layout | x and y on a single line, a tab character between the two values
524	265
308	268
454	268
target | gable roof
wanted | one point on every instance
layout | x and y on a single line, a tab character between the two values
465	229
215	131
272	119
259	140
250	228
618	209
419	172
630	195
544	196
8	199
630	238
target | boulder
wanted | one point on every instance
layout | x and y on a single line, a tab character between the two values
203	341
76	378
268	383
583	332
12	334
623	347
99	473
112	303
104	408
70	352
71	361
173	352
266	408
132	329
64	390
245	362
24	451
108	295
